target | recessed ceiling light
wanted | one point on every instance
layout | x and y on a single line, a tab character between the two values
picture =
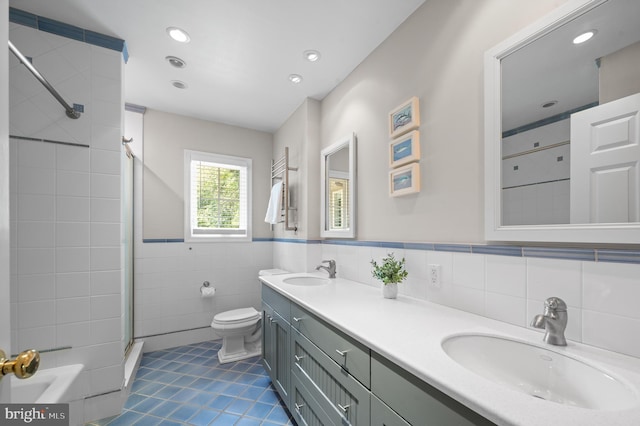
584	37
178	34
295	78
549	104
311	55
179	84
176	62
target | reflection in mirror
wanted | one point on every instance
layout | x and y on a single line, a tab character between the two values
338	189
563	123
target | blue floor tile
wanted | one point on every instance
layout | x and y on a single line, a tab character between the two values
188	386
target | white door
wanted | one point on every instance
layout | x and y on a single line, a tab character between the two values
5	307
605	169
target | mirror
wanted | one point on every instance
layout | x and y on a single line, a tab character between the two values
338	194
562	128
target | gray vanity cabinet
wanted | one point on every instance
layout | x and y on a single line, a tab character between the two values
382	415
276	342
416	401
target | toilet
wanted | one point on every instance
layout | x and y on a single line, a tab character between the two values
241	330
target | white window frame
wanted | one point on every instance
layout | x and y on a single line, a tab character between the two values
246	163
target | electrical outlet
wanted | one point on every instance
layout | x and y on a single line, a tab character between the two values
434	275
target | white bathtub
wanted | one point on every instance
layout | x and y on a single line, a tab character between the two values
50	386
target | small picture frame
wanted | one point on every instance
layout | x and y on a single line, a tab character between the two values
404	180
405	149
404	118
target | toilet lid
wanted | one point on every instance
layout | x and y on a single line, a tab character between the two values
237	315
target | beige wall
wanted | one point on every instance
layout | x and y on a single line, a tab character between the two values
619	73
300	133
166	136
437	55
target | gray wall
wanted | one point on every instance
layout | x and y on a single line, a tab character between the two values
166	136
437	55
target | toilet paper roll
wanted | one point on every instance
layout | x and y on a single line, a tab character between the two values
206	292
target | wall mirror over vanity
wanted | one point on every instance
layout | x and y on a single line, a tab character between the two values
338	191
562	127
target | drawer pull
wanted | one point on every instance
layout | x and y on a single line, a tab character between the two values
298	358
297	319
342	353
344	408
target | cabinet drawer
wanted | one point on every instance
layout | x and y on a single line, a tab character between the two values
351	355
418	402
278	302
304	408
340	396
382	415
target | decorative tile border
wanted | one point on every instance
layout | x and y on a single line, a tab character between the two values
589	255
41	23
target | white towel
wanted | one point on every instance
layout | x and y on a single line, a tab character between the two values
275	204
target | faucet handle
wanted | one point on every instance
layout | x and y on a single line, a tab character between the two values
555	304
330	261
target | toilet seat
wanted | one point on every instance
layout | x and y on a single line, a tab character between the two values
236	318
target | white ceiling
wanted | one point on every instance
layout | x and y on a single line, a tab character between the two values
241	51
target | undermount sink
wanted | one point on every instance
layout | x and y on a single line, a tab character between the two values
539	372
306	280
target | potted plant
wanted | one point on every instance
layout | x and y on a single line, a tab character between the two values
391	272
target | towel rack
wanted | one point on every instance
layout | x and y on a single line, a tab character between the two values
280	170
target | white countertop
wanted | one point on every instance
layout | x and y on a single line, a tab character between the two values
410	332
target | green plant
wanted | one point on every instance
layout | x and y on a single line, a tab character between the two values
390	271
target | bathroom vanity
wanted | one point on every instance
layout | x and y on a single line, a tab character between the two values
339	353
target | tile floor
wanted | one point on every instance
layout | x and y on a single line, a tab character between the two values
188	386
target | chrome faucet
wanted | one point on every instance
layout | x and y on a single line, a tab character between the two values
331	269
554	321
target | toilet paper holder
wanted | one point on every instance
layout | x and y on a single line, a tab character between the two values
206	290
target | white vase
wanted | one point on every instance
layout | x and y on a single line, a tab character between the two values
390	291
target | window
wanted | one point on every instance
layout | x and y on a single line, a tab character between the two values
217	197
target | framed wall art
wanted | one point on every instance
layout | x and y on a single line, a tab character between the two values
404	118
404	180
405	149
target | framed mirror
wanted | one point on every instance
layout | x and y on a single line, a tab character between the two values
562	127
338	190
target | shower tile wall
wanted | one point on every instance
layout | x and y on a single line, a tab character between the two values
65	207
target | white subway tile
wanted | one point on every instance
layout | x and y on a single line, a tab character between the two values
36	154
105	282
36	314
105	210
108	330
74	334
75	184
36	207
36	181
105	186
73	209
612	332
107	306
35	261
106	137
106	113
507	275
416	263
552	277
469	270
73	158
74	284
105	235
612	288
75	309
36	287
106	379
72	234
72	259
36	338
105	162
104	259
35	234
106	355
506	308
